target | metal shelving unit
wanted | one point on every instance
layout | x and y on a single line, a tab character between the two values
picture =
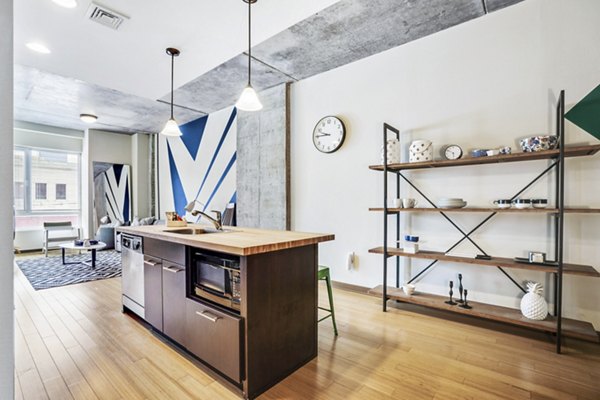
557	267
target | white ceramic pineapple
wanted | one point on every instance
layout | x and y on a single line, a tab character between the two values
533	304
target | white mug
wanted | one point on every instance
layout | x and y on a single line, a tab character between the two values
409	203
408	289
397	203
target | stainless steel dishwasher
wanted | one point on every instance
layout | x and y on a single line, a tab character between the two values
132	262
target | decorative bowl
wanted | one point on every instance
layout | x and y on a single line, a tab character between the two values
539	203
479	153
539	143
454	205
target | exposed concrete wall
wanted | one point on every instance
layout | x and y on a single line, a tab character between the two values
6	200
346	31
263	163
58	100
47	137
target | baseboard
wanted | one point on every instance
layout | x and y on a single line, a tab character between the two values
350	287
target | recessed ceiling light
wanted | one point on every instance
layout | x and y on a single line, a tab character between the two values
38	47
88	118
66	3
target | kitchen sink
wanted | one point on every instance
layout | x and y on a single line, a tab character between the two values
194	231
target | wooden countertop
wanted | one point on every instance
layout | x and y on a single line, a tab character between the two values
234	240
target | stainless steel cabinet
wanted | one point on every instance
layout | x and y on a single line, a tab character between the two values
153	288
173	302
214	337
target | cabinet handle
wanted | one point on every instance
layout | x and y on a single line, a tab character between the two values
173	269
152	263
211	317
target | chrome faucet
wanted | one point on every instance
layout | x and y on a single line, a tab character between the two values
217	221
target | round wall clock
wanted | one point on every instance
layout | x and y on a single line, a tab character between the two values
329	134
452	152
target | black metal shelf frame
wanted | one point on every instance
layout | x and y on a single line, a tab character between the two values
557	163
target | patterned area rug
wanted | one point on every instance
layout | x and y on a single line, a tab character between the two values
45	273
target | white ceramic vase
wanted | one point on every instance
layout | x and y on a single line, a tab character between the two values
392	150
420	150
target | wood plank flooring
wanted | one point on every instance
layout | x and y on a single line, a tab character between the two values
74	343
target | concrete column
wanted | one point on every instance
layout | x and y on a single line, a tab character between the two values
140	182
263	162
6	202
86	186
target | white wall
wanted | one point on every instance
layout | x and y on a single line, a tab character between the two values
114	148
484	83
6	201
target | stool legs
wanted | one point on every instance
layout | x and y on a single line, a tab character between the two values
330	294
324	275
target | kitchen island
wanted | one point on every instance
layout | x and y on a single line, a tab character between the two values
242	301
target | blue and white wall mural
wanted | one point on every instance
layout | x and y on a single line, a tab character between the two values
200	165
112	192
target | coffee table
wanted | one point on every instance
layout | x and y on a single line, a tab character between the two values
92	248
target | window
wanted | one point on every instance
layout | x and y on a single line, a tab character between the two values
46	187
40	191
19	191
61	191
19	177
52	168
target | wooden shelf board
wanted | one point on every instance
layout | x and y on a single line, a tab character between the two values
571	269
582	210
392	210
570	151
570	327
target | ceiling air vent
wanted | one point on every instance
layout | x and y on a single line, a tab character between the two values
105	16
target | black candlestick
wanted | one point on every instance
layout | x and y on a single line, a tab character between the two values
460	289
452	303
465	304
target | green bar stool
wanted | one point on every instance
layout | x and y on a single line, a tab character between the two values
323	275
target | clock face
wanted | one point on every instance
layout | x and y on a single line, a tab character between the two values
453	152
329	134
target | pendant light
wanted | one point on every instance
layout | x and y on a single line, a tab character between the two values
171	127
249	100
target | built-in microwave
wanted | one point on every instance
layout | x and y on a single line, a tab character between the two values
216	277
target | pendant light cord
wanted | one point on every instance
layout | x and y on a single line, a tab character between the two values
249	42
172	78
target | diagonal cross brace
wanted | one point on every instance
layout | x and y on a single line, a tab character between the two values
467	235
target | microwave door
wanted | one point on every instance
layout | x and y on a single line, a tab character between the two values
212	278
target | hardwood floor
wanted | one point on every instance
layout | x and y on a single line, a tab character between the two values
73	342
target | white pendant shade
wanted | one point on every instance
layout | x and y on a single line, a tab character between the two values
171	128
249	100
